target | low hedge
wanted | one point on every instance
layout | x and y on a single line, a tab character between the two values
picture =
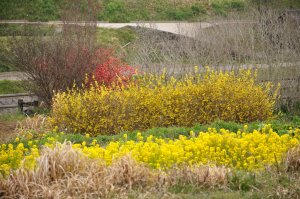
157	101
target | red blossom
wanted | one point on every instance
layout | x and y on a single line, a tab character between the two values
112	69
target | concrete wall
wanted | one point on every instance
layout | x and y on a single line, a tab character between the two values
9	102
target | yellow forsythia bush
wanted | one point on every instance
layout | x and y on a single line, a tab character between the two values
156	101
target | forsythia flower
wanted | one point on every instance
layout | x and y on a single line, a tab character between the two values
153	101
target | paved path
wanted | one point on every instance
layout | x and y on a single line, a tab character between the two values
180	28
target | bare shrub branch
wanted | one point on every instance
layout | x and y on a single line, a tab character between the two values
56	61
266	39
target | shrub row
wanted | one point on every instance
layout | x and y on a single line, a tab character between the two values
155	101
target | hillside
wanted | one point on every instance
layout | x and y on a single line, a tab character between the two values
131	10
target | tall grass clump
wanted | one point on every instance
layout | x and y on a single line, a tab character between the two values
159	101
63	172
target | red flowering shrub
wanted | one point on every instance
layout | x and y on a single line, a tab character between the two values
56	67
111	69
55	62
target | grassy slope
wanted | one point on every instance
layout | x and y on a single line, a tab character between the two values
8	87
115	38
128	10
108	38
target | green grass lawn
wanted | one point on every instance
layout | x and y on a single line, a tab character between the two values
281	125
10	87
108	38
11	117
121	37
125	10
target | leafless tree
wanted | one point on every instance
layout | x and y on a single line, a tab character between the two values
56	61
265	39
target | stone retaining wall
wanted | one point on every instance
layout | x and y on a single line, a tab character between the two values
9	102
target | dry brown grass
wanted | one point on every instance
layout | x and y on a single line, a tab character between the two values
37	124
281	180
265	40
128	174
201	177
262	38
292	161
7	131
63	172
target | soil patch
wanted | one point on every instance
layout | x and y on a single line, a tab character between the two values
7	130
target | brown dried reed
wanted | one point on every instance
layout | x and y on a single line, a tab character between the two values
292	161
37	124
64	172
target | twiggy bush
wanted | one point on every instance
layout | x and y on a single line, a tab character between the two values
57	60
153	101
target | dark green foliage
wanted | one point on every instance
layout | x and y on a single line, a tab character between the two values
243	181
225	7
182	13
198	9
218	9
4	67
235	5
114	11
